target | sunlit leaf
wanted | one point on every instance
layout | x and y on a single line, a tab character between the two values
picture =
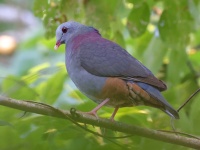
51	89
16	88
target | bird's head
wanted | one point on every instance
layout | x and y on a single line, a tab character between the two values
66	31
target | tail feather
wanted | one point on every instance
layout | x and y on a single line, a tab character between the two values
171	112
157	95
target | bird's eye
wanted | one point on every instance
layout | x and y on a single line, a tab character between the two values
64	29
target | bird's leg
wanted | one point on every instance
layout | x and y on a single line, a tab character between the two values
114	113
94	111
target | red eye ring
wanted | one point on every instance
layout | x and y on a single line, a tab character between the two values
64	29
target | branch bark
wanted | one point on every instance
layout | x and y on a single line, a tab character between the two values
43	109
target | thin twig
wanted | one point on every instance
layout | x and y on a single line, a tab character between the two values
198	90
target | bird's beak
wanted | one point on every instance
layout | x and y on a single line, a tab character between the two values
57	45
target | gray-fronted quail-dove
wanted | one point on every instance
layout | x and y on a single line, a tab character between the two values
108	74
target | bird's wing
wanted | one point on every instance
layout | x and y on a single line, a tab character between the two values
102	57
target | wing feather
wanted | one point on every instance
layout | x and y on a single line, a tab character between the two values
102	57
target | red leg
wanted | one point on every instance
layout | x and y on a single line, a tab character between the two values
94	111
114	113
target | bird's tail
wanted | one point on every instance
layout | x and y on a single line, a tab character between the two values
158	100
171	112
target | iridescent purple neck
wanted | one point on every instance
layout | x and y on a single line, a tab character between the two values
79	39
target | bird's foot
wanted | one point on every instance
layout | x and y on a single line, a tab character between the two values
94	111
113	114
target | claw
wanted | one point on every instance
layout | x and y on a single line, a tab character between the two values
94	111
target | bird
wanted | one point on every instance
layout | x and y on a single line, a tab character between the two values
106	73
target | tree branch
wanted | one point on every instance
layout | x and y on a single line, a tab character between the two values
43	109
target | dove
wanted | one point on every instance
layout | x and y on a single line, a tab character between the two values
106	73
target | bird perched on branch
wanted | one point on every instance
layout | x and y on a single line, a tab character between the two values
108	74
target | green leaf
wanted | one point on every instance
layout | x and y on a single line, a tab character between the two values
175	24
96	11
5	123
16	88
121	11
141	43
119	39
35	73
194	58
51	89
49	12
177	67
40	7
154	54
194	114
138	19
72	10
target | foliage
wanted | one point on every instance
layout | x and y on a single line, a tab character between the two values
163	34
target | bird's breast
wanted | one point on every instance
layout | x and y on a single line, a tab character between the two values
87	83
